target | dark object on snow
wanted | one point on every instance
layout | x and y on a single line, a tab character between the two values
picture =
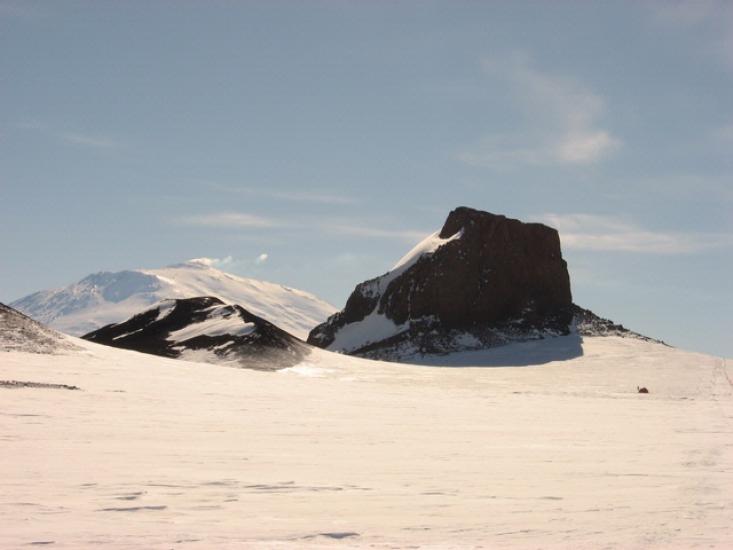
20	384
642	390
206	330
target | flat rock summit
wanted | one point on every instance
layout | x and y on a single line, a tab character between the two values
483	280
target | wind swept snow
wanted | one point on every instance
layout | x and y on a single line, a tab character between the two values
222	322
377	326
157	453
373	328
427	246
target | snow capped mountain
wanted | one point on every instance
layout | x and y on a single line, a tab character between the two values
104	298
205	329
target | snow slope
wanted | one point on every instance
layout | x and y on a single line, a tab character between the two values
104	298
344	452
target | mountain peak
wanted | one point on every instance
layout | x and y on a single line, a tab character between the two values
110	297
481	281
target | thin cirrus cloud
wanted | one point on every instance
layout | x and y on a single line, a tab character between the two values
563	120
86	140
230	220
606	234
294	196
80	139
713	19
724	134
242	220
368	231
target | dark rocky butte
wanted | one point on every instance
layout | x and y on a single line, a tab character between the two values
497	280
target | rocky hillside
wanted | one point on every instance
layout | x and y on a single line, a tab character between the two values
483	280
207	330
21	333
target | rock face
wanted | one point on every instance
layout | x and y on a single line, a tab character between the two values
205	329
482	280
21	333
496	269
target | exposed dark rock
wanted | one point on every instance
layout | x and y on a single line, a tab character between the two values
484	280
587	323
16	384
207	330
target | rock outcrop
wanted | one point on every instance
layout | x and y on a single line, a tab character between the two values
207	330
483	280
21	333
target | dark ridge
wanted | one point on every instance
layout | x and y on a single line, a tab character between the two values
265	347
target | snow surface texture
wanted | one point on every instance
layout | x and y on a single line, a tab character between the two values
344	452
105	298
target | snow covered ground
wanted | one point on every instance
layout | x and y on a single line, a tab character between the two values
344	452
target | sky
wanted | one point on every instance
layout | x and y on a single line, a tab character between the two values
313	143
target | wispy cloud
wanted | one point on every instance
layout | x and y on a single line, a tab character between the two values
20	9
713	18
606	233
334	226
288	195
369	231
724	134
564	115
229	220
262	258
76	138
86	140
307	196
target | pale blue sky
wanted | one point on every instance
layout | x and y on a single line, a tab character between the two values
331	135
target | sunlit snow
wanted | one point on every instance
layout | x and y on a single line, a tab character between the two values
338	451
106	298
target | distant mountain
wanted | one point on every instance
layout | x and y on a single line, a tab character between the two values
482	281
105	297
206	330
21	333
